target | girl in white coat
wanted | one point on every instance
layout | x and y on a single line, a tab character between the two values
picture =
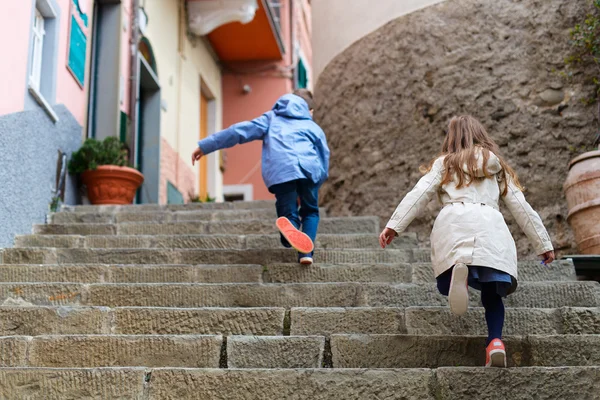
470	242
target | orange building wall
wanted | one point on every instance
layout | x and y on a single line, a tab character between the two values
244	162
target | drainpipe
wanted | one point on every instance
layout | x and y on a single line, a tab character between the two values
135	76
293	44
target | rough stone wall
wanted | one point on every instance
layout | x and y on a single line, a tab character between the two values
385	101
29	144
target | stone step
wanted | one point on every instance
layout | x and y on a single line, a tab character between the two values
89	351
131	273
239	273
345	225
325	241
440	321
235	205
28	320
529	271
542	294
347	351
299	384
275	351
160	216
408	351
193	256
33	321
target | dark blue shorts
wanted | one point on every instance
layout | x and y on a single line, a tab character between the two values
505	284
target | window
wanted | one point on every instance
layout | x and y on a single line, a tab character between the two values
37	48
275	6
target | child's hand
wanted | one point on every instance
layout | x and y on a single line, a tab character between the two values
547	257
386	237
197	155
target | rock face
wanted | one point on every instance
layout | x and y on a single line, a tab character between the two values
385	101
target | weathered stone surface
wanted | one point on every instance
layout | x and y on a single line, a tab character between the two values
581	383
275	351
558	351
204	321
581	320
32	321
236	205
289	384
385	100
289	273
159	216
337	241
55	273
528	294
61	384
75	229
327	321
13	351
192	256
529	271
115	350
51	294
225	295
407	351
519	321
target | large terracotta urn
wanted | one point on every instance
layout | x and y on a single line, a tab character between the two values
109	184
582	189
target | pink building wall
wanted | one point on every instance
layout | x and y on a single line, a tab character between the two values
243	162
68	91
15	25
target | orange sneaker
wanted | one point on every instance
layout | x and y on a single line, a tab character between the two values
495	354
299	240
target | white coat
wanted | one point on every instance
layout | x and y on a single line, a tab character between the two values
470	229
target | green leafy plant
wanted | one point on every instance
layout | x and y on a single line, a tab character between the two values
585	42
198	199
94	153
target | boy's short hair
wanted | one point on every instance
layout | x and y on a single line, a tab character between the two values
307	96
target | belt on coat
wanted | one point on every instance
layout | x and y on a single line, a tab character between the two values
449	203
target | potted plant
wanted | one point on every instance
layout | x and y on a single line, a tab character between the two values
103	169
582	187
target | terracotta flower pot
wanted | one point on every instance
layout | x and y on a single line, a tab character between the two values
582	189
110	184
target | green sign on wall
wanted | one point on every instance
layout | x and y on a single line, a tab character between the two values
77	51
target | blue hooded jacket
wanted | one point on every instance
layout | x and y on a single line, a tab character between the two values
294	146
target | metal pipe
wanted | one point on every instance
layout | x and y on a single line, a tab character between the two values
135	76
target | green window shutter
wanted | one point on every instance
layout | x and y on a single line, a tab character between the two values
174	196
302	76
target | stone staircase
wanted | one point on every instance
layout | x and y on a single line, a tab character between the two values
200	302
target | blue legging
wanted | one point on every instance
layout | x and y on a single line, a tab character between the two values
490	299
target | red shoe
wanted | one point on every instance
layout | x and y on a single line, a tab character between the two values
298	240
495	354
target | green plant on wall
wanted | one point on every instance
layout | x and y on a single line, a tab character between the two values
94	153
198	199
585	42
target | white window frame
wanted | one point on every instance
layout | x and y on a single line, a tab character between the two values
43	11
37	49
246	190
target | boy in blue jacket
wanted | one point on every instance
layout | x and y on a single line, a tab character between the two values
295	163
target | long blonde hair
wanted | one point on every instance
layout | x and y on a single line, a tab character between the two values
464	138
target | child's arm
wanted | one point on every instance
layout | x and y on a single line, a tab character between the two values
529	220
413	203
239	133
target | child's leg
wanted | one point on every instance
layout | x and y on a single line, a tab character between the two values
286	203
494	311
309	208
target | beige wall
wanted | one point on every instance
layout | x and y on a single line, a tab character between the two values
339	23
181	73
